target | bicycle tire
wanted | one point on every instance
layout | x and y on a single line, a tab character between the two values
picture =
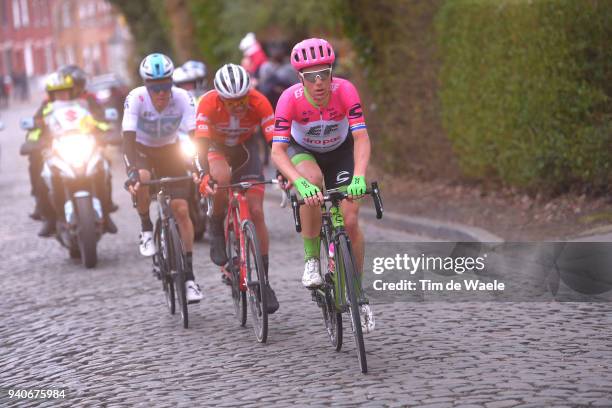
232	248
256	293
351	280
178	265
331	317
86	231
161	256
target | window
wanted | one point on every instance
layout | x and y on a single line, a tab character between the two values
4	18
45	12
66	15
35	17
82	10
16	14
48	58
25	18
70	55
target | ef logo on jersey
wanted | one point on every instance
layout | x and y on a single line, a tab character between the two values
342	176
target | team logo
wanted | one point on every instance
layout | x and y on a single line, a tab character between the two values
71	115
342	176
281	125
355	111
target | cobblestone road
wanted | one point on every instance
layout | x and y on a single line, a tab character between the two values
106	337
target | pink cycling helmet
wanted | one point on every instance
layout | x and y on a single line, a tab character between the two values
313	51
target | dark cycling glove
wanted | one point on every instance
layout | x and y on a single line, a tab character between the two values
133	178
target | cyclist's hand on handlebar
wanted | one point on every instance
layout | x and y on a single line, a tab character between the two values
208	186
310	193
133	182
283	182
357	188
197	178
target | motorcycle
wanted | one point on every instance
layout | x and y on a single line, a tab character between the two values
72	165
197	203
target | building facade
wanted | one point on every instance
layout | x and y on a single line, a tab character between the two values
38	36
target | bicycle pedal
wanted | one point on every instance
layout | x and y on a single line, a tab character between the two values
156	272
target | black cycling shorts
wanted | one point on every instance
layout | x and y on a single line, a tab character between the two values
337	166
165	161
243	159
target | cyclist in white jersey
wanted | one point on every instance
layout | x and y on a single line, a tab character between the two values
154	115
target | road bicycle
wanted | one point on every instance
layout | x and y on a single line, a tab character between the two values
341	290
169	261
245	268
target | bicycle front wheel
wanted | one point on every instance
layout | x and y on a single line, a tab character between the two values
256	282
160	261
348	264
331	317
178	269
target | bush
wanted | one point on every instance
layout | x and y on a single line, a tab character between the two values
525	89
396	43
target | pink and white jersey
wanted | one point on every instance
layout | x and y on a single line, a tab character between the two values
318	129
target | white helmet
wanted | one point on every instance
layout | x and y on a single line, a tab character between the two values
232	81
156	66
247	42
180	76
196	69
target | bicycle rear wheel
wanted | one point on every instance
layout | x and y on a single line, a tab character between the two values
232	245
178	269
331	317
346	259
256	282
160	260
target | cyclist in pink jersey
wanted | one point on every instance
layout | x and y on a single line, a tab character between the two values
320	138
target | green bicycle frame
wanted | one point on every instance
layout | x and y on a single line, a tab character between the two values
333	226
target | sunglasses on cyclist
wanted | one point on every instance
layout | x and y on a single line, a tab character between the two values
234	103
157	88
313	75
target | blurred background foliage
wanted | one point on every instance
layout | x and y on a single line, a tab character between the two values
526	89
511	91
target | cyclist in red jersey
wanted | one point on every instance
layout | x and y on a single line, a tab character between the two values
227	119
320	137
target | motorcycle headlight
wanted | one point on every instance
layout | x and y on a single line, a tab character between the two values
75	149
188	148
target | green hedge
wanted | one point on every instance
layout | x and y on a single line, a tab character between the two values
396	44
526	89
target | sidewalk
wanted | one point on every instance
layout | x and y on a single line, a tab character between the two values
462	212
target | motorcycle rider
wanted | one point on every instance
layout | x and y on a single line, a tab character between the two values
60	88
97	111
34	146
